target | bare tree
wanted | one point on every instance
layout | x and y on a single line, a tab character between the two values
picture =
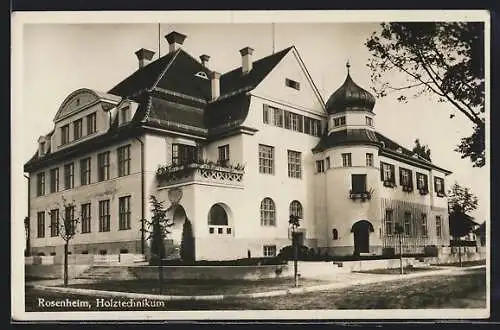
294	222
66	227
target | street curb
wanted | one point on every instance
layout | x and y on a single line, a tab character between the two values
274	293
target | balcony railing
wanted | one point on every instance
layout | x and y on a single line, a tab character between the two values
363	195
202	173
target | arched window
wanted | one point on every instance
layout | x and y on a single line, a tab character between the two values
335	234
217	216
267	212
296	209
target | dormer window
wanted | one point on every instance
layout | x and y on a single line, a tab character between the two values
91	123
42	148
201	74
125	115
64	134
292	84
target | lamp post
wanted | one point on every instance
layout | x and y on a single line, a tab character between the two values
294	221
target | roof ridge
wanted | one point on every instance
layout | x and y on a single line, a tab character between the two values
166	68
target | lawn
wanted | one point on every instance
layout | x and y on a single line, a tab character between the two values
466	263
198	287
464	290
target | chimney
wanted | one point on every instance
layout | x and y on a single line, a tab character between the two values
175	40
246	59
204	60
215	84
144	56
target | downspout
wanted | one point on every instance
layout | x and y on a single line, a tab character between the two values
28	238
143	187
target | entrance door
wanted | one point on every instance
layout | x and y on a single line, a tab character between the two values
361	231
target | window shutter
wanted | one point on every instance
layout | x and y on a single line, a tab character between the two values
410	183
382	171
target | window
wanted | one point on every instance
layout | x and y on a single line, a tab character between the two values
278	117
422	184
423	224
296	209
91	123
184	154
69	176
54	223
439	186
369	160
339	121
265	114
266	159
335	234
77	129
407	223
294	164
387	174
124	215
269	250
64	134
69	219
320	166
346	160
369	121
104	223
54	180
297	122
125	115
103	166
217	216
288	120
389	222
85	171
40	224
292	83
86	218
358	183
123	160
327	163
439	232
406	179
40	184
267	212
224	154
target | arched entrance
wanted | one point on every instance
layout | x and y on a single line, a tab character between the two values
361	231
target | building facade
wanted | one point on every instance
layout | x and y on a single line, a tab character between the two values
235	155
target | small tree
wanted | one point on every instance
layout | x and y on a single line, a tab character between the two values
399	230
187	243
294	222
460	202
158	229
67	229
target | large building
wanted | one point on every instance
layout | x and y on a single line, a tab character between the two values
235	154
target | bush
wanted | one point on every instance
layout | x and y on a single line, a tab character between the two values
304	253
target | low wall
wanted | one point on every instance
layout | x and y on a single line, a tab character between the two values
211	272
451	255
53	271
86	259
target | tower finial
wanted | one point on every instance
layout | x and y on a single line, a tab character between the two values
347	65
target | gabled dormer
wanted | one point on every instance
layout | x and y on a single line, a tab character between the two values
82	115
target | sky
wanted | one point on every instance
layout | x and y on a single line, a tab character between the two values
59	58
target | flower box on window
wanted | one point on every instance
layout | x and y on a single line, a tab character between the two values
423	191
365	195
389	184
407	188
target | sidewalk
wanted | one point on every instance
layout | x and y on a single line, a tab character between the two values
340	281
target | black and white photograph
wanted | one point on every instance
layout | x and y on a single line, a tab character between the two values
250	165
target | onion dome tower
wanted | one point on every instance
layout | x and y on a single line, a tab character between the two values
350	106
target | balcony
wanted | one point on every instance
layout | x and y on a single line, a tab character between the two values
202	172
363	195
